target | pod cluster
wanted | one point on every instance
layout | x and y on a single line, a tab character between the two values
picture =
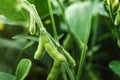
56	51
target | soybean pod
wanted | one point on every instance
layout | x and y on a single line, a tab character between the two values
64	52
32	27
40	49
53	52
68	56
55	70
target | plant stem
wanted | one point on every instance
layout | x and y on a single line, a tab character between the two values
82	58
31	9
37	17
95	21
52	18
68	70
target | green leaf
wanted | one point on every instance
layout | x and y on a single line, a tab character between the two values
8	9
78	16
7	21
33	38
23	69
10	43
6	76
115	67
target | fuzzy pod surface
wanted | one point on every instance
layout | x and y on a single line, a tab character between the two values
54	53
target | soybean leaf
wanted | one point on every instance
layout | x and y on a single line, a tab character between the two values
6	76
78	16
10	43
7	21
23	69
115	67
8	9
33	38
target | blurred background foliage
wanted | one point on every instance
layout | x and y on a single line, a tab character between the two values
16	42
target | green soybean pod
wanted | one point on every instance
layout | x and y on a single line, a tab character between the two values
32	27
68	57
55	70
40	49
53	52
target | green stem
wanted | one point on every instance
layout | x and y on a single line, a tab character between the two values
82	58
37	17
95	21
111	11
69	71
31	8
117	33
52	18
63	73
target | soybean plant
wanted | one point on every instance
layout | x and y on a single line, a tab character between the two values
46	41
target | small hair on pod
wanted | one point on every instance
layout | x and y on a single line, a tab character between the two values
55	70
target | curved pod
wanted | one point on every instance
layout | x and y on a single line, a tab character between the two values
40	49
54	53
